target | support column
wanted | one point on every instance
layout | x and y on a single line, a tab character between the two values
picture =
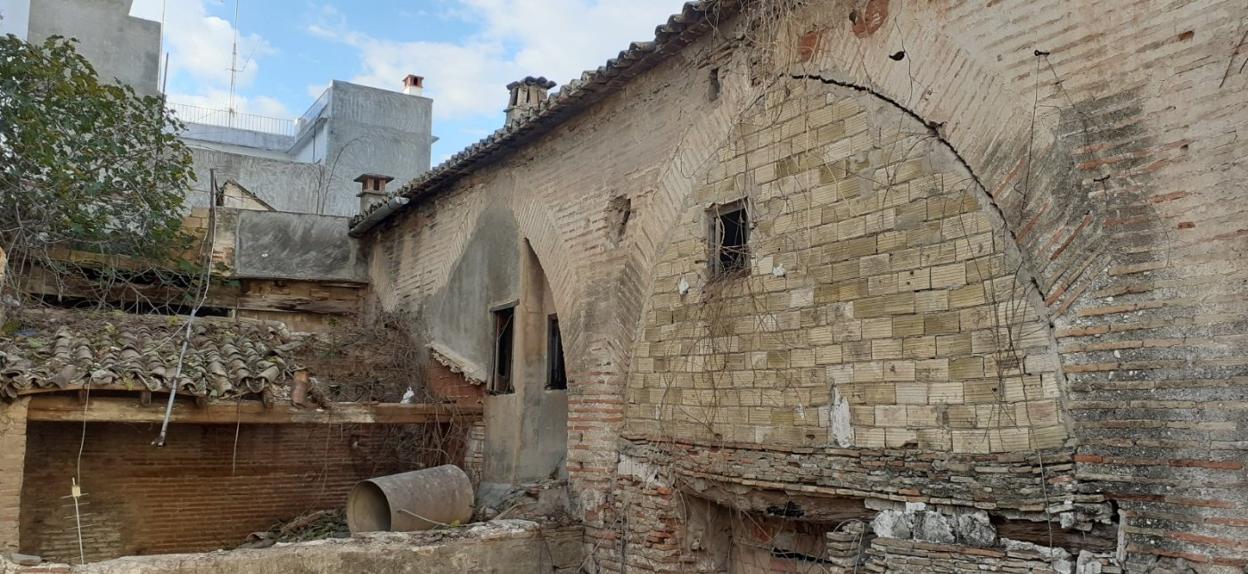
12	468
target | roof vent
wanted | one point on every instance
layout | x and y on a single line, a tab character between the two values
526	95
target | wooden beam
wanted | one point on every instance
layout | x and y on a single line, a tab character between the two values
61	408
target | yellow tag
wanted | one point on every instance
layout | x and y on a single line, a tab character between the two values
76	491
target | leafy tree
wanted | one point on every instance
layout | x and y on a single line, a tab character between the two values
85	165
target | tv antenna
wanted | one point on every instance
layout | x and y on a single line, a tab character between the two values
234	61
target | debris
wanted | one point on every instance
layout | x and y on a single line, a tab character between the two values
313	525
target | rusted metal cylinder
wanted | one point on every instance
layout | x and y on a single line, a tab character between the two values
417	500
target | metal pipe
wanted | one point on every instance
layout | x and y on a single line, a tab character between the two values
417	500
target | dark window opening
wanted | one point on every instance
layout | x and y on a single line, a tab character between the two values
713	90
504	329
556	374
730	235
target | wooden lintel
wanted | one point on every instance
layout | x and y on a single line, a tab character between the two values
61	408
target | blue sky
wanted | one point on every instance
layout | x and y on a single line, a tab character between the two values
468	50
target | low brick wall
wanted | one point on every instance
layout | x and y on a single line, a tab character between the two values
197	493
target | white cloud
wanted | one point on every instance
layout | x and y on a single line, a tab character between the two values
315	90
217	100
554	38
199	47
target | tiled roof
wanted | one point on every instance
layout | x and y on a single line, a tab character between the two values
694	20
64	350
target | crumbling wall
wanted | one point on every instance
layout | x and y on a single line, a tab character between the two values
208	488
1038	316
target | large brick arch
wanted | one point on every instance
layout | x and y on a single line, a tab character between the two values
1079	165
1029	145
871	250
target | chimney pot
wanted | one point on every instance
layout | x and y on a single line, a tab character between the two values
525	96
413	85
372	190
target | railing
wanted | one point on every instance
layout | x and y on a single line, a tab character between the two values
226	118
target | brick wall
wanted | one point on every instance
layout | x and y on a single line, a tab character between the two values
12	457
191	495
879	294
1089	215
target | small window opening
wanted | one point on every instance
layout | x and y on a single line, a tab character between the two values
712	93
504	328
556	374
619	211
730	235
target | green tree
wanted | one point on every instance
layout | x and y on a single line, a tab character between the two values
85	165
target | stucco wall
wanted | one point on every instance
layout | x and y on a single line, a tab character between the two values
363	130
374	131
274	244
285	185
118	45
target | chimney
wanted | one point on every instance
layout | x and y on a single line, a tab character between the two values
372	190
413	85
526	94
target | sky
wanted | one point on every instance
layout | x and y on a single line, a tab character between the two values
467	50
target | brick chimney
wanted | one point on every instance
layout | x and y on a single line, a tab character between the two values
526	94
413	85
372	190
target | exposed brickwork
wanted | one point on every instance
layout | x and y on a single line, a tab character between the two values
12	458
880	293
191	495
1003	481
1072	188
447	386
